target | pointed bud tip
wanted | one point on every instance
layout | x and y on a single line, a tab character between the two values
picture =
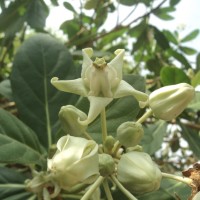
88	51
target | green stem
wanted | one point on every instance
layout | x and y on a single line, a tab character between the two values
92	189
107	190
103	125
121	187
145	116
187	181
86	134
10	185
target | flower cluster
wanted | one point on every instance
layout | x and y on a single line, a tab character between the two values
80	164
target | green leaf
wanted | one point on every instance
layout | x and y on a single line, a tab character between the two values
113	36
12	151
162	13
198	61
138	29
187	50
172	75
195	103
69	7
38	60
196	79
141	41
172	38
12	19
153	136
5	89
118	111
168	191
192	136
70	27
160	38
128	2
11	185
191	36
16	129
174	2
180	57
37	12
18	142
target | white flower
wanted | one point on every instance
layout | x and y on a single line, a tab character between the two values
101	82
168	102
76	161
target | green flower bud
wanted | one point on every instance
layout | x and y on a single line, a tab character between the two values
109	144
138	173
69	116
76	161
129	134
106	164
168	102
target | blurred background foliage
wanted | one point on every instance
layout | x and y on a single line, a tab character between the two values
161	56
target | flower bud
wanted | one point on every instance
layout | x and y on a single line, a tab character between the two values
106	164
197	196
76	161
69	116
168	102
129	134
138	173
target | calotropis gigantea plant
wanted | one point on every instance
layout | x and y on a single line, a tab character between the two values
80	165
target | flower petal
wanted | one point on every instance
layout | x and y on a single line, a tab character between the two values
125	89
75	86
87	62
117	62
97	104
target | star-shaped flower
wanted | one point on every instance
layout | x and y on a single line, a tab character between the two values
100	82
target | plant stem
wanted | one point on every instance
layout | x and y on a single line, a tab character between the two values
93	187
121	187
107	190
103	125
145	116
86	134
187	181
10	185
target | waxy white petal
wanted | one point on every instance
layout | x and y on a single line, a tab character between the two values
117	62
87	62
125	89
97	104
75	86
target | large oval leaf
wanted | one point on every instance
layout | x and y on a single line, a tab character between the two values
39	59
16	129
12	185
153	136
172	75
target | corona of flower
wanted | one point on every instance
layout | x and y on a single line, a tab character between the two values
101	82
